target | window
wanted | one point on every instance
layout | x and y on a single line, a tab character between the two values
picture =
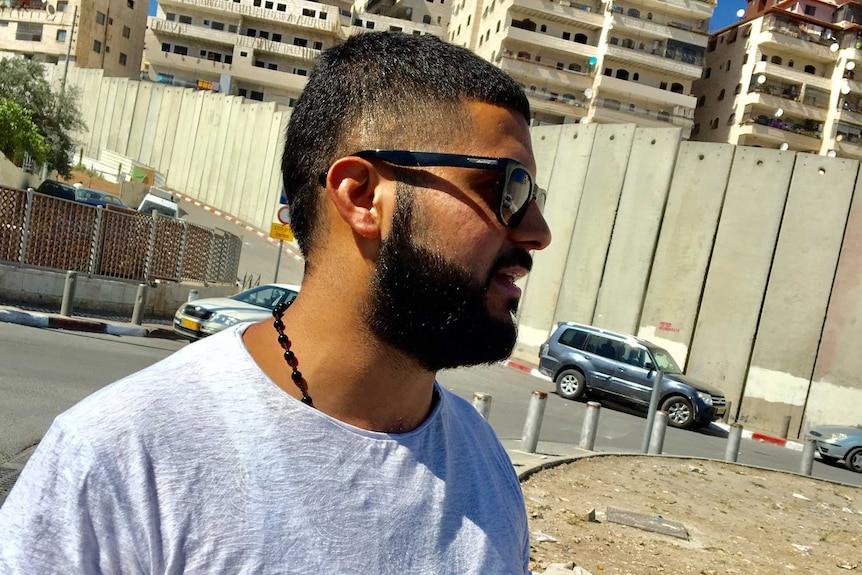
543	28
636	77
185	19
61	35
272	66
713	124
567	35
181	50
123	59
560	66
707	73
810	69
426	19
745	59
738	89
256	96
790	63
97	46
574	338
300	72
731	120
231	28
649	15
721	95
242	92
100	18
695	130
217	25
258	64
615	41
498	25
300	42
676	88
634	13
581	38
776	60
107	49
126	31
701	101
228	59
611	104
608	72
810	10
166	47
251	32
276	37
62	6
130	4
468	19
281	7
369	25
268	5
575	67
308	12
243	54
727	67
318	46
264	34
170	16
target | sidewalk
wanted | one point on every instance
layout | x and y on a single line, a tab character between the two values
10	314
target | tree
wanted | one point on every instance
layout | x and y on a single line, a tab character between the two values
56	115
19	135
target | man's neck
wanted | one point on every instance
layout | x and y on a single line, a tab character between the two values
351	375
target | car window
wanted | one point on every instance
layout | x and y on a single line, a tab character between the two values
603	346
266	296
633	355
573	338
664	361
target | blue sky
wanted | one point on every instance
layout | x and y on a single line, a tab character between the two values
725	13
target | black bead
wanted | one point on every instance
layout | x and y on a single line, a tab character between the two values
282	339
306	400
279	325
289	357
296	376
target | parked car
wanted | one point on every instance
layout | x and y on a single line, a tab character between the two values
161	201
203	317
585	359
98	198
836	442
57	189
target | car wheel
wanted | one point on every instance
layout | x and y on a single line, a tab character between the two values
571	384
853	460
679	411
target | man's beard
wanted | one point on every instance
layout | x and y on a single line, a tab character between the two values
431	309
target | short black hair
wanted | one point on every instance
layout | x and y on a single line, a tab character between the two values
381	90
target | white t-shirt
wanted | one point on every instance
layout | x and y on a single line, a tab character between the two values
201	464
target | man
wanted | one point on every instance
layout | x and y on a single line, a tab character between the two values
324	443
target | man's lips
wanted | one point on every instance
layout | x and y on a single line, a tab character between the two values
505	279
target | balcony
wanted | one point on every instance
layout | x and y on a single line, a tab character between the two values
699	9
304	54
199	33
800	135
612	111
291	18
661	28
164	62
641	92
792	75
536	73
59	19
663	61
807	40
568	108
543	42
244	71
586	14
793	103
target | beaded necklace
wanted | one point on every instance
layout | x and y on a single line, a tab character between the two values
289	356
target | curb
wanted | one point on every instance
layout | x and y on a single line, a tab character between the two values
242	224
746	433
83	324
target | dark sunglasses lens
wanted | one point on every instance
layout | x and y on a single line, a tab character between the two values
516	196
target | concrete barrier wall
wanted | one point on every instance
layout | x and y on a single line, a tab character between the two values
45	288
694	246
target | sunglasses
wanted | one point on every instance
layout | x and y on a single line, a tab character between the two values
515	189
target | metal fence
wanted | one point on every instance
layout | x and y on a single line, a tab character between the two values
47	232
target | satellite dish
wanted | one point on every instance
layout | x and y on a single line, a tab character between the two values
585	120
778	113
498	56
831	153
50	8
784	146
850	65
834	47
845	89
740	13
588	93
761	79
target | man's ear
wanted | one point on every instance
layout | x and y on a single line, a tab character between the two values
351	184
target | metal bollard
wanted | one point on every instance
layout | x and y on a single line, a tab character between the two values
809	448
482	403
66	307
193	295
591	424
656	440
140	303
731	452
785	427
533	425
726	417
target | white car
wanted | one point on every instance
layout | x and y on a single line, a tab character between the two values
203	317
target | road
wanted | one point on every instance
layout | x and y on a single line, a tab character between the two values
39	385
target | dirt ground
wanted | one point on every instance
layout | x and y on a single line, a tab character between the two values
739	520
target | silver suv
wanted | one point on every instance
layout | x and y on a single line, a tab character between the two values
582	359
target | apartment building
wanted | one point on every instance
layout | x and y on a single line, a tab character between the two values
259	49
614	61
784	78
106	34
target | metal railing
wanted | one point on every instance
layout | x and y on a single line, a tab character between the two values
47	232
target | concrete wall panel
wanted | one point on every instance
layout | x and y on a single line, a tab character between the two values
594	221
641	208
225	136
151	121
140	113
684	246
119	105
794	309
202	125
181	156
125	127
166	131
738	270
91	87
836	388
257	181
102	117
563	180
236	138
240	189
211	145
271	174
